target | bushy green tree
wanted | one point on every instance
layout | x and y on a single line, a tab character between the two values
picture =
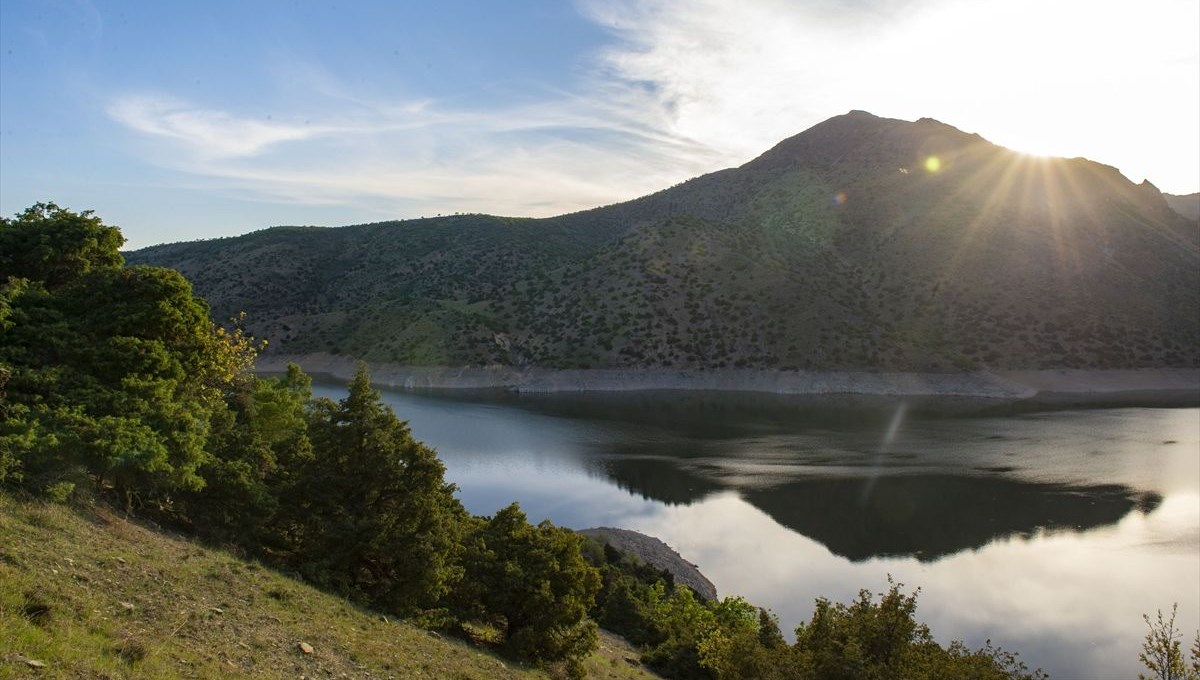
746	643
257	448
54	245
115	372
868	639
534	584
684	624
735	648
862	640
623	603
625	610
371	513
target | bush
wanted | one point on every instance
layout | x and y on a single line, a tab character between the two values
533	584
1162	653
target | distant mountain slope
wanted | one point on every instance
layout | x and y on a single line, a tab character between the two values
1188	206
863	242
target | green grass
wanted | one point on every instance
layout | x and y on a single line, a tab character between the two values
92	594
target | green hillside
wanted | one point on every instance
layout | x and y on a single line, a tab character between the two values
89	593
862	243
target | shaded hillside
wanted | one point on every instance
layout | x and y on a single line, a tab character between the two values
1188	206
861	243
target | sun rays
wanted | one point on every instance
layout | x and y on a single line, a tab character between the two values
1058	201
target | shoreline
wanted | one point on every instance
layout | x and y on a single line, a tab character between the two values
1059	386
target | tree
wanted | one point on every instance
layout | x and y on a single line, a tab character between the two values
1162	652
735	649
625	610
868	639
533	582
256	447
54	245
115	371
685	623
371	514
864	639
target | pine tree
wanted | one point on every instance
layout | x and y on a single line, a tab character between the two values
374	516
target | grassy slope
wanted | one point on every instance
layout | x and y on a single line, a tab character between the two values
91	594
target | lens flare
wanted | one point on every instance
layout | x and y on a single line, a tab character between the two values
933	164
838	199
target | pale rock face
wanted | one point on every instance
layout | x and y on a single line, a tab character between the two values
654	552
1000	385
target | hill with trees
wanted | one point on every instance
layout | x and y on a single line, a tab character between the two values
862	243
118	391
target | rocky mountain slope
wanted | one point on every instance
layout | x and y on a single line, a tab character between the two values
862	243
1188	206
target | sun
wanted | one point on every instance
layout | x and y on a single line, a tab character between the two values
1034	143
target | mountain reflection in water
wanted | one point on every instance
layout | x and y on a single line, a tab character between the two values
932	516
927	516
1050	533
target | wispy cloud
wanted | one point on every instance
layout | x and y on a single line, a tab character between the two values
205	132
558	155
690	86
1073	77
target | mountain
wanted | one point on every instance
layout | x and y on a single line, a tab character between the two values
861	243
1188	206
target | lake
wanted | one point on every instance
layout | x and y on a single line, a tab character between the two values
1050	533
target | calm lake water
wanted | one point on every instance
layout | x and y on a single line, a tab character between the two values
1049	533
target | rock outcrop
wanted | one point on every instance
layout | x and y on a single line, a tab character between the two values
654	552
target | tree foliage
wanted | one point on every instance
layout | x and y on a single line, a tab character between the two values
370	511
534	583
257	447
114	372
684	637
1162	651
54	245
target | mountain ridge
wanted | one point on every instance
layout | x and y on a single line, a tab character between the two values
1188	205
860	243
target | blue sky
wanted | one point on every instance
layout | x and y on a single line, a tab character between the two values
186	120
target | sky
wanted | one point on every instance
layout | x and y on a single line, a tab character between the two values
188	120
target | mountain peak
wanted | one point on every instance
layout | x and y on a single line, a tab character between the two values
861	243
860	136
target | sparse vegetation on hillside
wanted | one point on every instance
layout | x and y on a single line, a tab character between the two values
837	249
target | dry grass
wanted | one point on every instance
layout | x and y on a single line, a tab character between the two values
92	595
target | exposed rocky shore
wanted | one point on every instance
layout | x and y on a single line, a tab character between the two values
654	552
1179	384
